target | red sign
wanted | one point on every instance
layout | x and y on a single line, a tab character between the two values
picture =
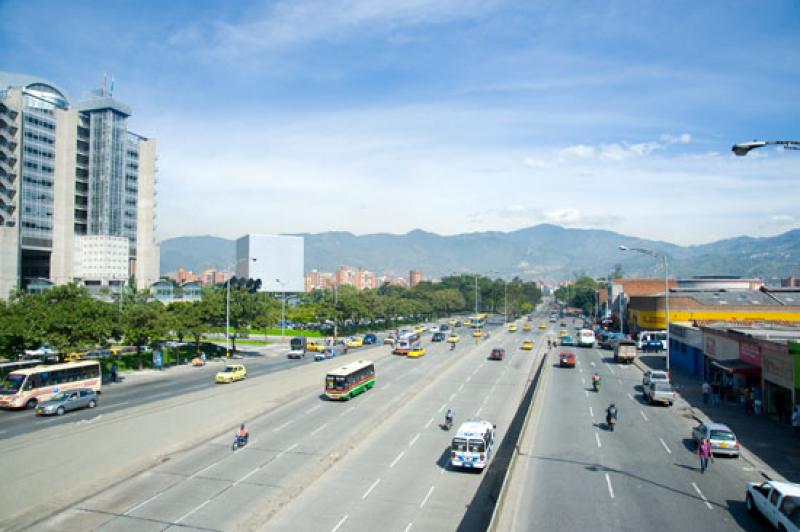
750	353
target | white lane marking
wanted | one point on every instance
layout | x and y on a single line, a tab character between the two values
451	396
313	432
399	456
460	387
478	413
427	496
583	381
340	523
580	369
347	411
708	504
184	516
631	398
664	445
643	415
428	424
250	474
408	527
469	378
204	470
610	369
89	421
486	399
442	407
413	440
369	490
283	426
597	438
591	412
610	489
749	468
108	406
386	386
586	393
154	497
287	450
314	408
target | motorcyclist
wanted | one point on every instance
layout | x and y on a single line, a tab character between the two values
596	380
448	417
242	435
611	413
452	345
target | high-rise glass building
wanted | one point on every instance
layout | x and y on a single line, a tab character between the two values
77	190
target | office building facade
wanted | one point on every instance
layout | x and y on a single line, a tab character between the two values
74	184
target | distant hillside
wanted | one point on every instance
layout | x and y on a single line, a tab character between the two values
547	252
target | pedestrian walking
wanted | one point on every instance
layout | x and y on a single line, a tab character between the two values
114	372
750	401
704	452
706	392
715	393
796	419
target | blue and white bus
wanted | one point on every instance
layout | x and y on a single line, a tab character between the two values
473	445
405	342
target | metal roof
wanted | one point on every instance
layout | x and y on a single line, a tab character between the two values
11	79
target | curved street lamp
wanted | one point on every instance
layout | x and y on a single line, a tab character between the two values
743	148
663	257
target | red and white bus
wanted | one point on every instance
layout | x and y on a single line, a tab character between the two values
25	388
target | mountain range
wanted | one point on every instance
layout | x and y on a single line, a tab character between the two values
544	252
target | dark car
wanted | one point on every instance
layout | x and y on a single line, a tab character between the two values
370	339
566	359
497	354
444	327
437	337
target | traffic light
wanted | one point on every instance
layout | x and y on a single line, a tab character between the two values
251	285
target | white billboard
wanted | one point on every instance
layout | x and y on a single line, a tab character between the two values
275	259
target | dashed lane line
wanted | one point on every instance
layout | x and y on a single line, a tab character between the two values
442	407
664	445
313	408
369	490
154	497
631	398
460	387
478	413
597	439
190	512
586	393
316	430
413	440
428	424
705	500
283	426
399	456
452	395
610	488
409	526
339	524
591	412
427	496
287	450
250	474
644	416
610	368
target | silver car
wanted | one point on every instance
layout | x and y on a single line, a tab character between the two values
723	440
654	376
66	401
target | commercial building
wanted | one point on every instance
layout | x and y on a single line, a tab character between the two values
276	260
414	278
75	183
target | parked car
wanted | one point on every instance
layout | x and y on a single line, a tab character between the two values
723	440
777	502
66	401
231	373
567	359
370	339
437	337
654	376
497	354
660	392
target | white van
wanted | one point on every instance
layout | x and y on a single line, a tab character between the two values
586	338
473	445
644	336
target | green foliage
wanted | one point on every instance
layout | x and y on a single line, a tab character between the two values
579	294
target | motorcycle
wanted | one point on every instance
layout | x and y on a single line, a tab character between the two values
611	422
238	442
596	385
448	423
452	346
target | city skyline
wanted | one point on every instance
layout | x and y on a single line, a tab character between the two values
610	117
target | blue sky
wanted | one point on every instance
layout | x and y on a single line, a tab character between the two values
371	116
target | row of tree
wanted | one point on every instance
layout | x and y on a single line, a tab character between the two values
68	319
580	294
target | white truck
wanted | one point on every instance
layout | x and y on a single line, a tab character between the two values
778	502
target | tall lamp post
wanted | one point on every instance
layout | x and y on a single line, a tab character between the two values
283	306
228	309
663	257
743	148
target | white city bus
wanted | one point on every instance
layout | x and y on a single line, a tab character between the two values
473	445
25	388
585	338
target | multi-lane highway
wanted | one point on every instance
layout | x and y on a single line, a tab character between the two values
314	464
151	387
643	476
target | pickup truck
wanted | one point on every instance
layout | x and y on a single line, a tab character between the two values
777	501
660	392
625	351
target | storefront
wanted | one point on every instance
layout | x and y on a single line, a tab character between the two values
778	372
686	348
732	363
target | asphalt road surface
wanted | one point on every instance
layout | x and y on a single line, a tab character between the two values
150	387
379	460
643	476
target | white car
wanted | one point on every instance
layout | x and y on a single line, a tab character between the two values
434	329
296	353
654	376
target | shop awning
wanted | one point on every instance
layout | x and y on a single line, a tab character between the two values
736	365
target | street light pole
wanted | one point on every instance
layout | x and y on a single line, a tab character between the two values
228	309
663	257
476	294
743	148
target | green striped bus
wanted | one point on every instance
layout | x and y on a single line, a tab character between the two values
348	381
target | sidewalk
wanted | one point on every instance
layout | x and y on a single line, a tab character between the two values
769	446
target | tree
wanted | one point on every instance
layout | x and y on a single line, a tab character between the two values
189	319
618	272
143	320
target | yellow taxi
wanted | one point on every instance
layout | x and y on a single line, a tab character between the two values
355	341
467	323
453	323
477	333
315	346
512	328
453	339
416	352
526	328
562	333
543	325
419	329
231	373
527	345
